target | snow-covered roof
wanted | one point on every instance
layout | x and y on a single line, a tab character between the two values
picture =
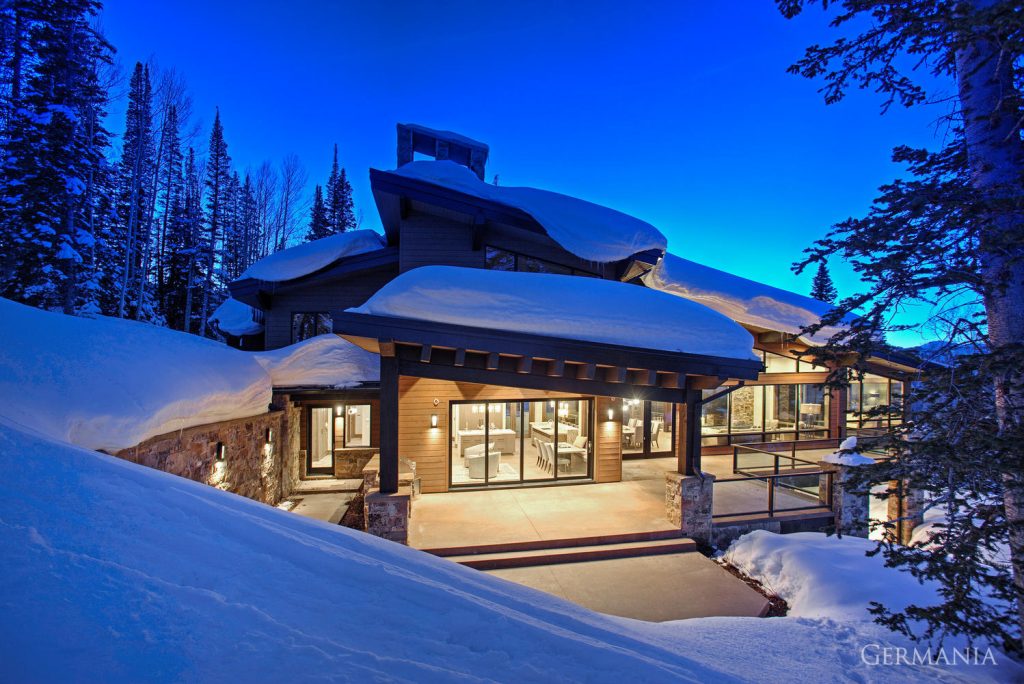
568	307
744	301
322	361
107	383
235	318
446	135
590	231
310	257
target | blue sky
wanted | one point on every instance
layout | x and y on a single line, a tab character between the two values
680	113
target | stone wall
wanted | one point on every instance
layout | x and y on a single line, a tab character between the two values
252	466
349	463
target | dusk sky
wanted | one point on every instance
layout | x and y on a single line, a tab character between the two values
681	114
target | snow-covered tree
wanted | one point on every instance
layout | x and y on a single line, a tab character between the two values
822	288
952	236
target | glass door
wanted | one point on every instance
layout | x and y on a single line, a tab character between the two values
320	455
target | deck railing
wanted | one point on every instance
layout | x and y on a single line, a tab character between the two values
791	483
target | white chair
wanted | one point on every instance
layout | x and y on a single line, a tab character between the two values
655	431
475	460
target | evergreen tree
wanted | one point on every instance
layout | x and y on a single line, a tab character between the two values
340	208
171	204
822	288
951	236
318	227
218	187
53	146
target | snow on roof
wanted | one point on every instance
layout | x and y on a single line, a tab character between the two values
106	383
129	559
235	318
446	135
744	301
310	257
589	309
590	231
322	361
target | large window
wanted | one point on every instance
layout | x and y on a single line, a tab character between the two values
765	413
341	426
647	427
503	260
777	363
515	442
307	325
874	402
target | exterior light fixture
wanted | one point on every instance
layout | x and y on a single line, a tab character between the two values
270	435
221	451
337	410
433	420
611	413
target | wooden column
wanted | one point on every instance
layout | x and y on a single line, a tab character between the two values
688	429
388	424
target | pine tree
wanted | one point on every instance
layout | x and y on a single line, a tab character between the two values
218	186
53	145
952	236
171	204
340	208
318	227
822	288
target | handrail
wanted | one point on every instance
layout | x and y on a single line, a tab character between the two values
772	482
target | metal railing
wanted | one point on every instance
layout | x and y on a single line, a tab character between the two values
791	483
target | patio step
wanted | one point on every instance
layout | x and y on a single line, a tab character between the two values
574	554
563	543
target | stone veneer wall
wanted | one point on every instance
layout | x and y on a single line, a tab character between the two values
252	467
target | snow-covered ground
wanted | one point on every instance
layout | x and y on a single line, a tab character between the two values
587	309
106	383
115	572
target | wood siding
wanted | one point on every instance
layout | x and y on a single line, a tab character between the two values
428	447
431	240
334	296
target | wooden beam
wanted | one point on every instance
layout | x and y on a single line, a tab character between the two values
703	382
460	357
387	348
388	424
425	351
525	364
586	371
556	368
688	444
616	374
492	361
652	378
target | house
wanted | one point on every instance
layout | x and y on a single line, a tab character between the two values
528	338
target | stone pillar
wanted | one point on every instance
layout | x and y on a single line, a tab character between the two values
851	510
387	515
906	511
688	501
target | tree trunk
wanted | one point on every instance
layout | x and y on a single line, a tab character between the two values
991	106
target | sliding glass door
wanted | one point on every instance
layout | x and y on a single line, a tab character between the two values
502	443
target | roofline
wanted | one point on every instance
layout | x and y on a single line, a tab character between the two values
375	328
256	292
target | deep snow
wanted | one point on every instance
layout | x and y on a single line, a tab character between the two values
322	361
235	318
745	301
588	230
310	257
587	309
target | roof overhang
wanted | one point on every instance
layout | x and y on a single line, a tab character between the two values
258	293
460	353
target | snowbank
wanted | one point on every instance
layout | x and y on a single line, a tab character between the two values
322	361
109	384
745	301
590	231
310	257
560	306
131	574
846	456
235	318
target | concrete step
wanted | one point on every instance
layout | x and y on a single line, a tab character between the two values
574	554
324	485
538	544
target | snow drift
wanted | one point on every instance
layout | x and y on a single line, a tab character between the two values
235	318
590	231
744	301
310	257
106	383
587	309
322	361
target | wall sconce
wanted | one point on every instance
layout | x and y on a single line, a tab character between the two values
337	410
270	435
433	420
611	413
221	451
